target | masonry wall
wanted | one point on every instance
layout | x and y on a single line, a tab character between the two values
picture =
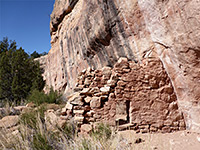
140	96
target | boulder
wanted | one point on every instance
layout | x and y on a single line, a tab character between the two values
53	121
51	117
9	121
87	128
61	123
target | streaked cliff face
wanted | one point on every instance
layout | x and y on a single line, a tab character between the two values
95	33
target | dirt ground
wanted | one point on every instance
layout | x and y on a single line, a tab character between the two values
182	140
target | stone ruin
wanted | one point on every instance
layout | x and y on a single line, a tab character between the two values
128	96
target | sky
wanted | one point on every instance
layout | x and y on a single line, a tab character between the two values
27	22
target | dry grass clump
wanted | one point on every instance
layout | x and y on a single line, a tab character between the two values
6	108
33	135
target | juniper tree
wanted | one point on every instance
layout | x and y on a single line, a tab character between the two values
19	73
5	77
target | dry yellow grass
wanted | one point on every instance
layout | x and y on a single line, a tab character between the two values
36	137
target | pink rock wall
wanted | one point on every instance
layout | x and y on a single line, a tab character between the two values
96	33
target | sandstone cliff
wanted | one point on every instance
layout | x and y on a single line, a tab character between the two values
95	33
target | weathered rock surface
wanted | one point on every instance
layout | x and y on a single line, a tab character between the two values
9	121
53	121
86	128
96	33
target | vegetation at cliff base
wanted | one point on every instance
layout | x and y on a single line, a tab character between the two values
39	97
19	73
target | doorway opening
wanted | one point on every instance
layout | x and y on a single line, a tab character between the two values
128	111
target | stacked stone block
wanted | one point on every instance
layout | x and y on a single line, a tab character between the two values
138	95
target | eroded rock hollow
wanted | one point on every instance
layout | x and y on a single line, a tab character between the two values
96	33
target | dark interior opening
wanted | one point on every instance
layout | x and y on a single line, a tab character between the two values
127	111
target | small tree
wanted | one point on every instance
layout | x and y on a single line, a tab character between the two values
35	54
19	73
5	45
21	84
5	77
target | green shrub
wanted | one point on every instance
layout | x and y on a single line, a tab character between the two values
31	117
85	145
53	97
41	110
69	130
39	97
41	138
40	142
102	131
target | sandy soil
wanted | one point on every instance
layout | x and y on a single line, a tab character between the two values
182	140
